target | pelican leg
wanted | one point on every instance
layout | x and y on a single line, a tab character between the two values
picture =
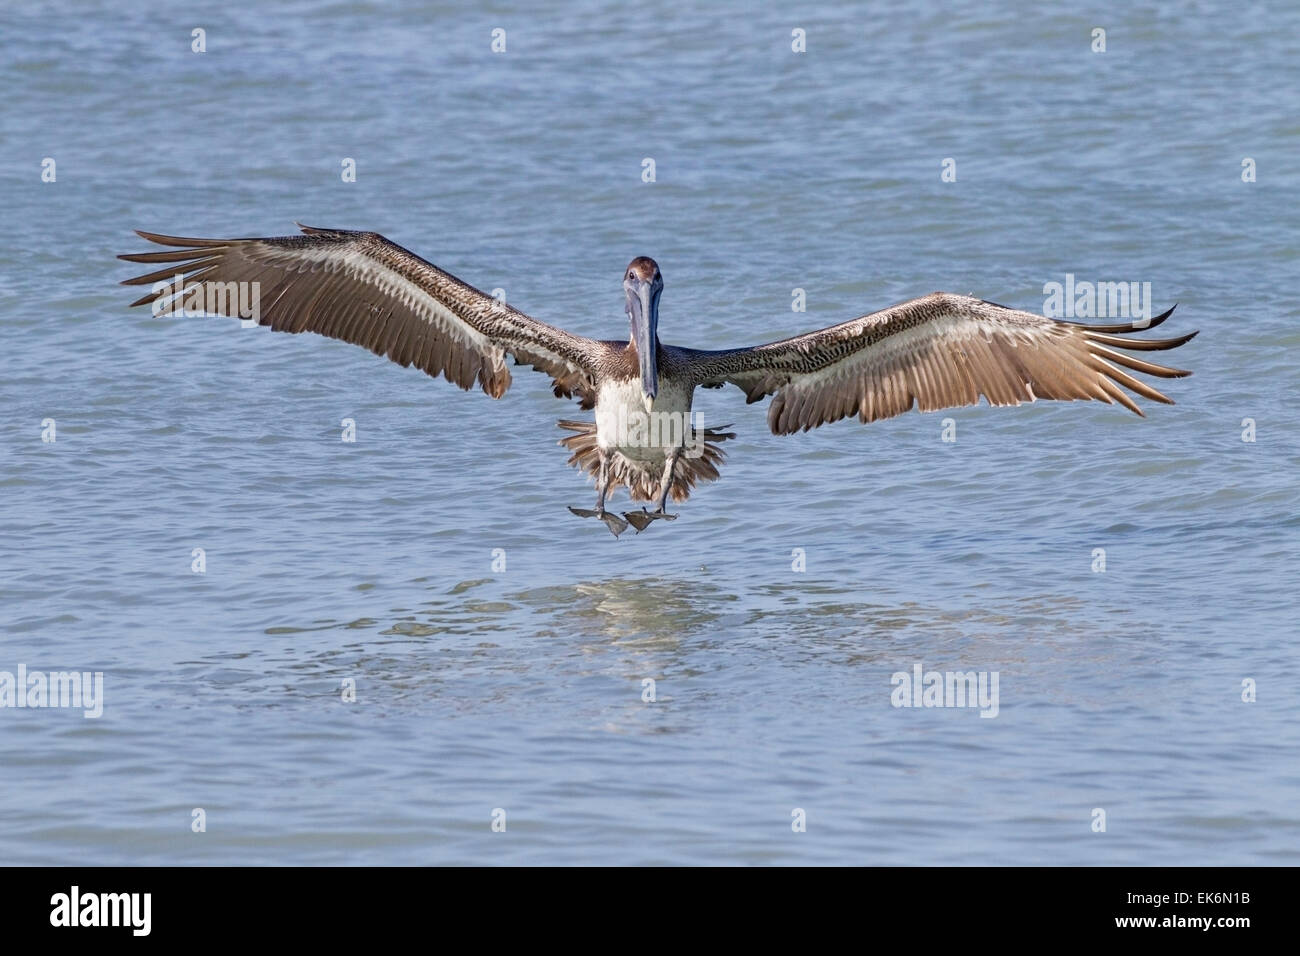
604	482
641	519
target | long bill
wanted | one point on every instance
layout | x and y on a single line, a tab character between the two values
643	312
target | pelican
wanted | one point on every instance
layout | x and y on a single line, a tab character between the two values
938	351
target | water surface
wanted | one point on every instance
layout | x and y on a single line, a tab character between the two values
521	688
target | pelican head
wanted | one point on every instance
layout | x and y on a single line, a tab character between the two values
643	283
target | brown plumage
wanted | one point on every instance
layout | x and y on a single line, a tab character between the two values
363	289
643	484
643	266
938	351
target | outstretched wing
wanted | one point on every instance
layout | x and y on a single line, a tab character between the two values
938	351
363	289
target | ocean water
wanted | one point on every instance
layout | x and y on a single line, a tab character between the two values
498	646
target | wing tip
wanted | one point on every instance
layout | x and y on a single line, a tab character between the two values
1137	325
322	231
183	242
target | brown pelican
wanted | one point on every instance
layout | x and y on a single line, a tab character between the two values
938	351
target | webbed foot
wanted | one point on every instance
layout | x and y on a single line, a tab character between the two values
612	521
641	519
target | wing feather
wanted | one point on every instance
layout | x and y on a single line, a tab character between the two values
939	351
361	288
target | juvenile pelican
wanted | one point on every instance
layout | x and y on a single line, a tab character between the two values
938	351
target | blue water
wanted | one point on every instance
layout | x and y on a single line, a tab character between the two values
521	689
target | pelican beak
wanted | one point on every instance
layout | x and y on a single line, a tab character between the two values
643	313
